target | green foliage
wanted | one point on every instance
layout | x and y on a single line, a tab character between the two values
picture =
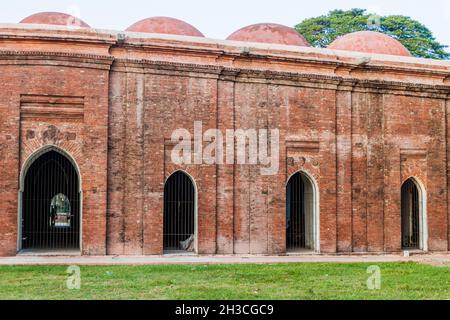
416	37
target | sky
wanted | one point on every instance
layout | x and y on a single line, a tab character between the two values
218	19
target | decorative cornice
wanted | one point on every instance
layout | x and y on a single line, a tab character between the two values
277	57
150	66
171	48
332	82
302	79
220	48
75	59
79	36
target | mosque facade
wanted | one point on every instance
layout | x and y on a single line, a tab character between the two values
358	137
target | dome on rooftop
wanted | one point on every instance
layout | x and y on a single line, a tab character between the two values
370	42
165	25
269	33
55	18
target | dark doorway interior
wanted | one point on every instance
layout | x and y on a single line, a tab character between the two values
51	204
410	215
299	214
179	214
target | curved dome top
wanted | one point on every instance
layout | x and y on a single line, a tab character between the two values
55	18
269	33
165	25
370	42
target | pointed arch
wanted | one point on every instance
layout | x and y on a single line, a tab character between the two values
180	221
302	213
50	202
35	155
414	225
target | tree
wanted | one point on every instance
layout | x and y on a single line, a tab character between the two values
416	37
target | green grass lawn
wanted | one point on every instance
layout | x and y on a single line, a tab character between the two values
281	281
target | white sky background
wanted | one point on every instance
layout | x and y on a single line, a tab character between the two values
218	19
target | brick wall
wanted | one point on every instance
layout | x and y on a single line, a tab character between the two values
61	106
357	140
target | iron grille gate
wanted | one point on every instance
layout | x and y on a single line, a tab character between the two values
299	214
179	213
410	216
51	204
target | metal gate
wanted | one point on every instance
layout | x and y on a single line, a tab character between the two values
51	204
410	216
179	213
299	214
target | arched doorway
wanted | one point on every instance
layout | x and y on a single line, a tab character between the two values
413	217
301	214
179	214
51	203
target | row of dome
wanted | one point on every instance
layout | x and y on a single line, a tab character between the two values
363	41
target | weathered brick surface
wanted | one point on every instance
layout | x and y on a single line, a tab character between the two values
344	171
225	173
358	140
84	139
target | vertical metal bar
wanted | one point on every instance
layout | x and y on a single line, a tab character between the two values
51	182
52	187
164	215
174	213
295	213
69	192
61	182
69	232
43	174
35	214
302	208
180	195
181	212
33	203
43	196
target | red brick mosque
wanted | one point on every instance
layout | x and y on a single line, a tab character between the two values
86	118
